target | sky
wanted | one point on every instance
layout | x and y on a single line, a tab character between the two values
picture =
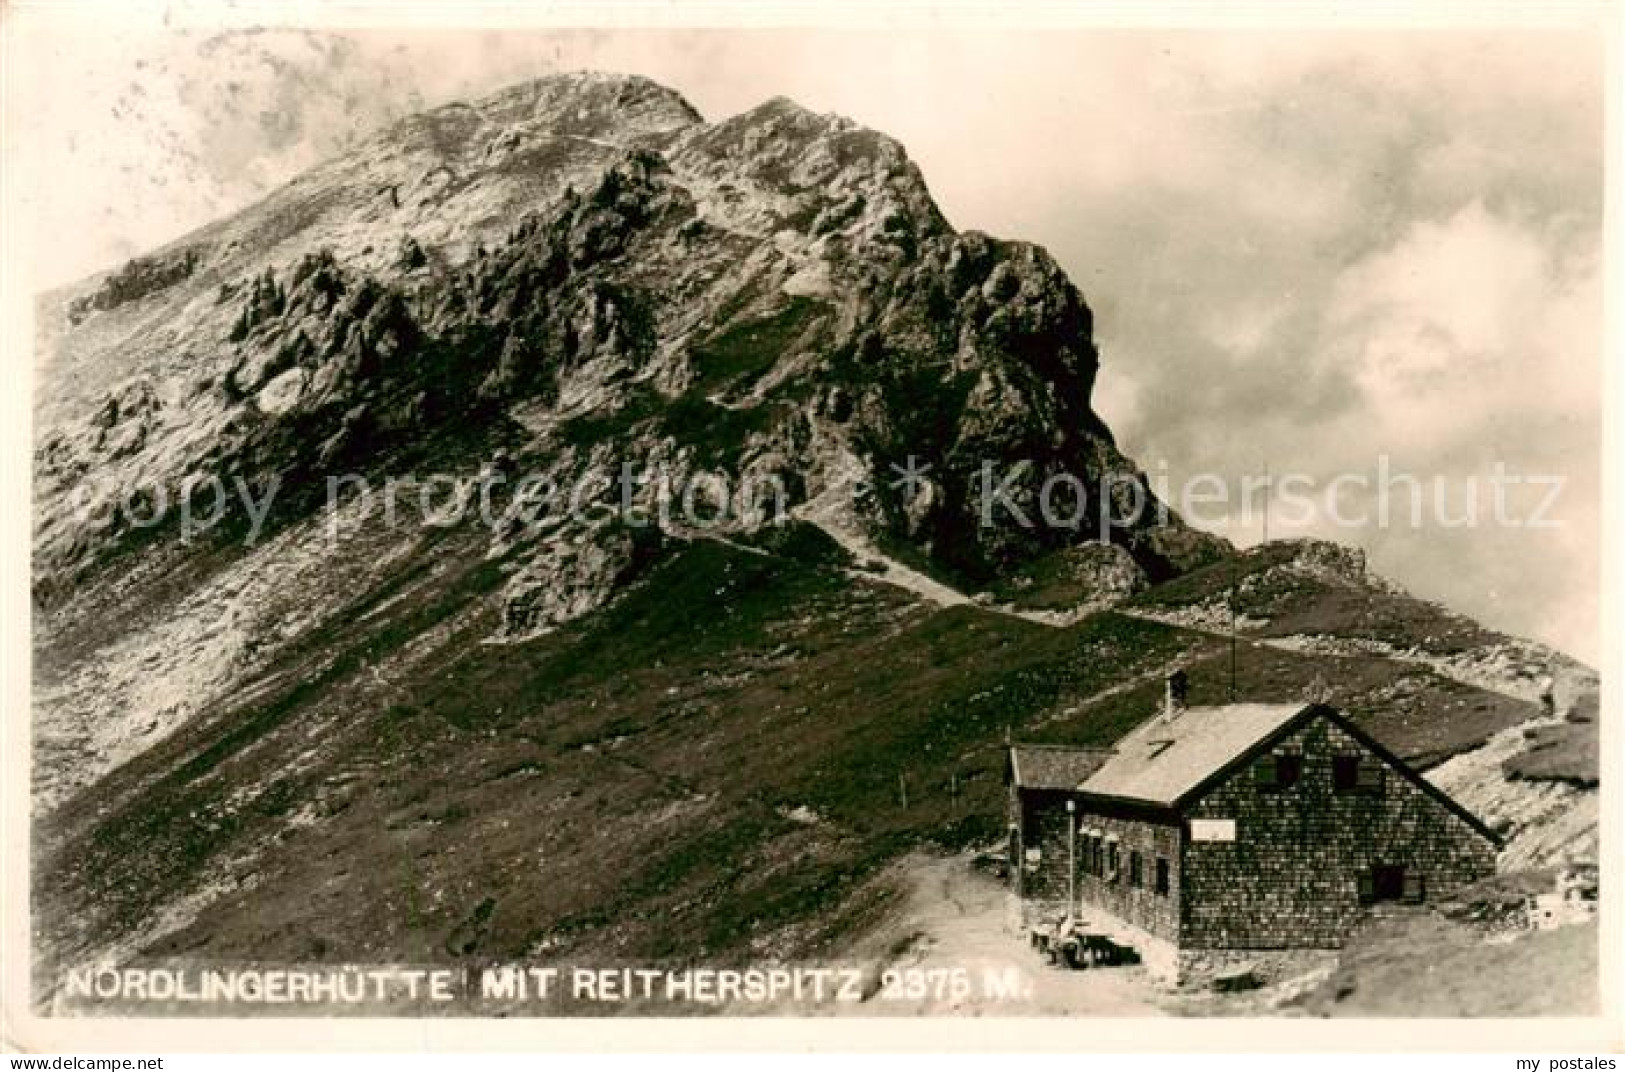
1328	255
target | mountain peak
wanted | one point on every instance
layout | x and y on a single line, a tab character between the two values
592	103
781	107
780	131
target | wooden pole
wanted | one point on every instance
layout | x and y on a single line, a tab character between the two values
1072	860
1266	502
1232	639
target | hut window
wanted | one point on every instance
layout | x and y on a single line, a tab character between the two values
1279	771
1357	774
1387	882
1112	863
1162	876
1136	876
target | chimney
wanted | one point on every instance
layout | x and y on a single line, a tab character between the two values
1178	687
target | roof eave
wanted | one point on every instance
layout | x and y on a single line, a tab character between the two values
1349	726
1140	803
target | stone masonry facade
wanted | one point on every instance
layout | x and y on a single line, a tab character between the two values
1308	856
1039	851
1292	877
1044	857
1109	844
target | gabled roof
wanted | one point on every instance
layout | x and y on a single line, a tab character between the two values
1164	758
1054	766
1165	762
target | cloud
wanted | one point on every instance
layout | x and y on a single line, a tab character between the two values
1476	341
1468	320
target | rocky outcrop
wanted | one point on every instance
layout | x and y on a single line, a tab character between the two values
1074	582
1106	570
137	279
575	573
1327	561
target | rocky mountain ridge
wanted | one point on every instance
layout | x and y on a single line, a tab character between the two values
583	274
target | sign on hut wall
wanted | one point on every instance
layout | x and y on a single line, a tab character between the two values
1213	830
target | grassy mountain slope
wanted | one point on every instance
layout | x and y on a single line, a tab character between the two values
713	766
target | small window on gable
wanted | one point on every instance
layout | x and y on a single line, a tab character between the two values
1277	771
1358	774
1162	876
1345	771
1136	872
